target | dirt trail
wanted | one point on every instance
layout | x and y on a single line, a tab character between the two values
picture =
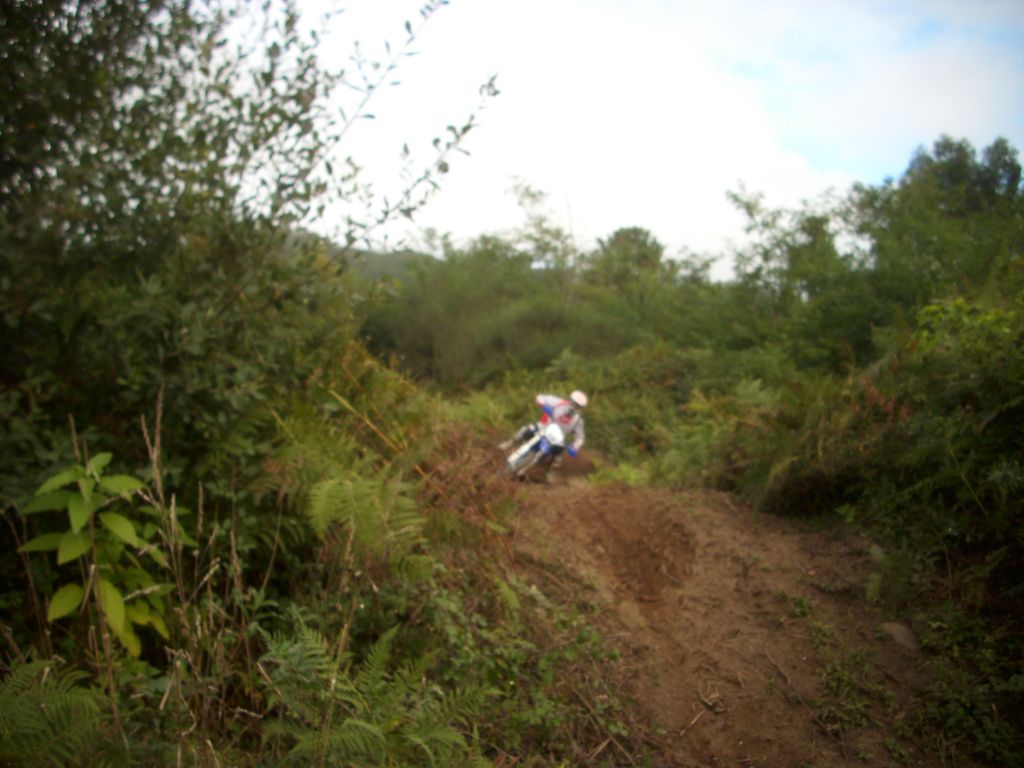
727	621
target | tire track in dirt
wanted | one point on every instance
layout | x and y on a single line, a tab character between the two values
699	595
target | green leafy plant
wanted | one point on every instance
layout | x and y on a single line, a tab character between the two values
114	545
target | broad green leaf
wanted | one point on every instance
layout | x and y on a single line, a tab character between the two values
131	642
122	485
160	626
61	478
98	462
79	511
120	526
85	486
137	612
45	543
64	601
72	545
157	555
128	638
187	540
47	501
98	500
113	606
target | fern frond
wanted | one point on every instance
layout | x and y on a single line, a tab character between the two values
352	740
416	741
464	705
441	744
47	718
339	499
507	598
387	717
380	512
372	673
416	568
357	737
306	678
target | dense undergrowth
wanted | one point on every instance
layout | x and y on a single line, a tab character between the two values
358	606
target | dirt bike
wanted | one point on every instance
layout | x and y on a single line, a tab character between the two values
540	449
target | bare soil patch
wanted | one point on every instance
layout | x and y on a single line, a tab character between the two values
737	631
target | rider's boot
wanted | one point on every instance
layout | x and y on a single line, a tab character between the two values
549	476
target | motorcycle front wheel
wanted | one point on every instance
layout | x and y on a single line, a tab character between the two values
522	464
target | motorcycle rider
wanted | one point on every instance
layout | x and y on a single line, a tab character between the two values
568	414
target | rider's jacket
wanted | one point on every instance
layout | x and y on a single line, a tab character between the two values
566	415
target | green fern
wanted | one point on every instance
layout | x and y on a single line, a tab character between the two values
379	512
507	598
48	719
340	744
371	676
324	713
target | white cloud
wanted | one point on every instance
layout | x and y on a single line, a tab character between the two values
645	113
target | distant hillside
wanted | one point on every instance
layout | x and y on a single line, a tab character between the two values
398	265
374	265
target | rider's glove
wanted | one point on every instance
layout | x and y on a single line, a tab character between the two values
572	451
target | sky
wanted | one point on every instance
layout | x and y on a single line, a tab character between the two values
648	112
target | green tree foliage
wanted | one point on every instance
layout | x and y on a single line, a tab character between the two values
628	281
952	224
627	258
150	274
62	66
505	305
464	320
802	291
150	256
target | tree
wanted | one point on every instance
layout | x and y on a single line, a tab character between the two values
152	169
467	319
147	252
628	255
61	66
951	224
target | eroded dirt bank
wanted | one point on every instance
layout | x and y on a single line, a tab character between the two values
744	638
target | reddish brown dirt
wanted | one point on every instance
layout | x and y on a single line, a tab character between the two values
726	621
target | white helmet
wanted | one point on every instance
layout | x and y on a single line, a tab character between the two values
579	399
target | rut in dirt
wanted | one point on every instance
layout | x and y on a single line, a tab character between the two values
725	619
